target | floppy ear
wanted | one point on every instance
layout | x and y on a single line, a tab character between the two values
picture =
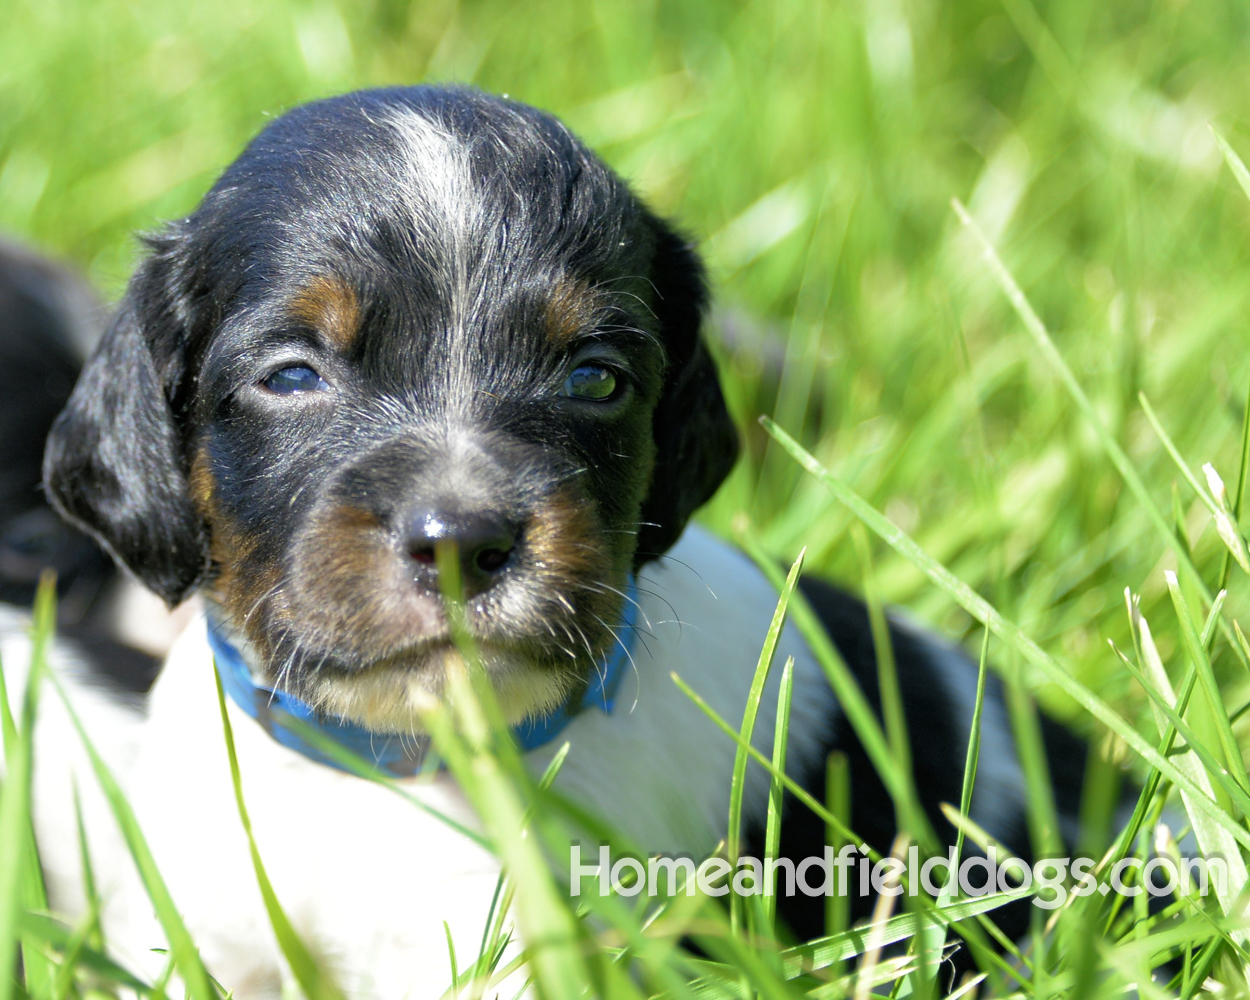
696	442
114	465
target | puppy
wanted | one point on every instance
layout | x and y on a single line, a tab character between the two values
45	317
404	317
49	321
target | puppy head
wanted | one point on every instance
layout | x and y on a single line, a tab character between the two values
402	317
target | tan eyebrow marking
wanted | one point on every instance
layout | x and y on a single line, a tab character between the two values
329	304
571	307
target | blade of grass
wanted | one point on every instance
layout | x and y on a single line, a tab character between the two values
823	952
933	938
314	980
167	974
776	791
751	709
757	974
50	932
14	791
1201	968
1200	929
495	780
1178	518
451	952
882	910
494	933
971	760
1149	788
92	894
71	956
1241	638
182	948
1234	162
887	674
749	713
1006	630
1236	865
896	733
1240	495
892	972
1213	838
822	813
657	945
1039	799
850	696
974	831
794	787
653	955
838	800
1225	527
1208	627
1037	330
21	881
1206	677
367	769
551	937
488	949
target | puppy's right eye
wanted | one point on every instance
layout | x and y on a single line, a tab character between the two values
297	378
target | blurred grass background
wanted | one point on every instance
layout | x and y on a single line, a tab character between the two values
812	148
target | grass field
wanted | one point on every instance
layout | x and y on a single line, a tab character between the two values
813	148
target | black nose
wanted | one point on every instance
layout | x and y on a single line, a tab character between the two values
485	543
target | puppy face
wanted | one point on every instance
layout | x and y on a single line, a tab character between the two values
402	318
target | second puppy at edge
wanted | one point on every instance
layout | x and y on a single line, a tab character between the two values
402	317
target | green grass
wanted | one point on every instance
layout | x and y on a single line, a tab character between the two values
1020	429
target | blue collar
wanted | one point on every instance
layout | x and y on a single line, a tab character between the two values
404	755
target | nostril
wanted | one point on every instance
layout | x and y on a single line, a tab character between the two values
487	543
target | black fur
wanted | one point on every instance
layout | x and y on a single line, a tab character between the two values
696	442
47	322
42	309
113	463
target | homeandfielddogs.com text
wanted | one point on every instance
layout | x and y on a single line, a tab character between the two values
852	872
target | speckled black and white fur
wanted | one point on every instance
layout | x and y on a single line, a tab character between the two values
430	269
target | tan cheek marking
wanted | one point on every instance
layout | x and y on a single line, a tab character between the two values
238	583
573	557
570	309
351	590
203	487
330	306
345	544
565	537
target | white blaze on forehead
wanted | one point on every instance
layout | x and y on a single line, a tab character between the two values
436	184
435	176
451	225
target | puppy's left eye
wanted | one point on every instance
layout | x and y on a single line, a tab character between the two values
593	382
297	378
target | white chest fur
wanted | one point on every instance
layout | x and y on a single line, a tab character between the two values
366	877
